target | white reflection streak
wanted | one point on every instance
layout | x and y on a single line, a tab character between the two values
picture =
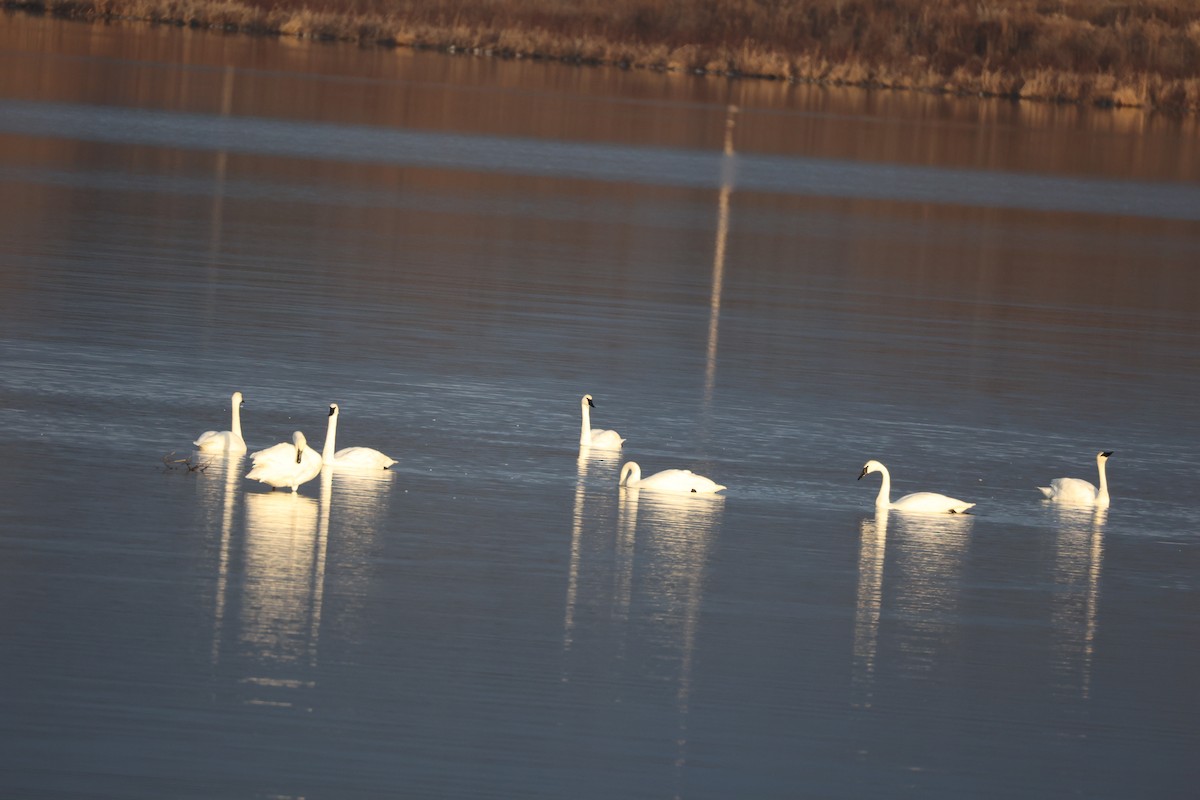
581	471
871	552
627	511
1078	565
680	529
233	469
718	274
284	576
930	553
318	575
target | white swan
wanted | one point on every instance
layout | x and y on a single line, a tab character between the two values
596	437
928	502
303	465
354	457
669	480
1078	492
229	441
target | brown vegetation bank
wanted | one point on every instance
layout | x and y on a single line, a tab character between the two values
1081	51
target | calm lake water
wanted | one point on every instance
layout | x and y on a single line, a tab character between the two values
979	294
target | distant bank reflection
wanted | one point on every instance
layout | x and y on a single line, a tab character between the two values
1078	561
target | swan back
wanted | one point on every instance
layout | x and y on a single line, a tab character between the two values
229	441
681	481
931	503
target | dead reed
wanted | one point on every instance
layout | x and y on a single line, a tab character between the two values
1106	53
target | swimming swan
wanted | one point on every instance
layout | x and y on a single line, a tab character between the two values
229	441
354	457
596	437
303	465
669	480
1078	492
929	502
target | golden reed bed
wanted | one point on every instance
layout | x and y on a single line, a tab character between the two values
1080	51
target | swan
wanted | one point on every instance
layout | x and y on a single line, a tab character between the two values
1078	492
596	437
359	457
229	441
930	502
303	465
669	480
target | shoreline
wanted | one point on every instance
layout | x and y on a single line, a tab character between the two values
1143	55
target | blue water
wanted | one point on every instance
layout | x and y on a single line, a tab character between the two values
493	617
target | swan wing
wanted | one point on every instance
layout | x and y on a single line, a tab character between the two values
286	473
679	480
219	442
284	451
1072	491
931	503
605	440
361	458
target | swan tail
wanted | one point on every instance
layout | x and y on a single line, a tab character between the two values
1047	492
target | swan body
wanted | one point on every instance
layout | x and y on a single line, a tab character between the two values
229	441
1078	492
596	437
669	480
923	502
352	457
302	465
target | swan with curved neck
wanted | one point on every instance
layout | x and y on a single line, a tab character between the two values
596	437
352	457
927	502
683	481
1078	492
229	441
301	466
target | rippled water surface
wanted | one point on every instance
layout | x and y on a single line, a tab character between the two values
766	284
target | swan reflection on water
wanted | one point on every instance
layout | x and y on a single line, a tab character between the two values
1078	564
602	464
267	614
923	587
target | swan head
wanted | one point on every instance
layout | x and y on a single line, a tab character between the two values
237	399
300	442
630	469
587	401
1103	456
869	467
333	409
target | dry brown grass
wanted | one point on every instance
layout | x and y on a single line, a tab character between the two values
1108	53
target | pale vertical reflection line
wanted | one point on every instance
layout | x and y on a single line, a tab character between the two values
626	539
221	166
232	470
1095	562
718	273
321	544
868	604
581	471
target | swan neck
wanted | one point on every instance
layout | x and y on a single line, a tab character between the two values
1102	495
236	420
884	498
330	438
586	430
634	473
